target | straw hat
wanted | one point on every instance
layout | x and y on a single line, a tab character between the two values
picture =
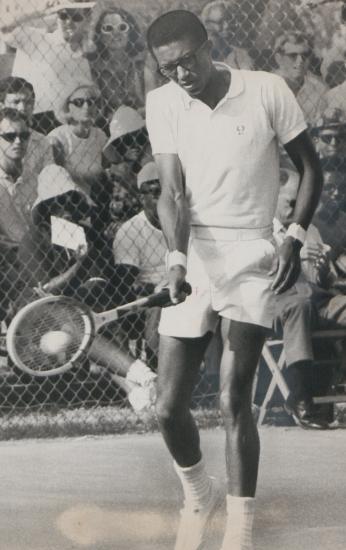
76	5
124	121
54	181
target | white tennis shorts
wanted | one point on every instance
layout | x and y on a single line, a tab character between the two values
228	272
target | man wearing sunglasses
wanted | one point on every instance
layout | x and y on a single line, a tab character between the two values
14	138
215	135
293	55
50	59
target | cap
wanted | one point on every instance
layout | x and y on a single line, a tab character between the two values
148	173
124	121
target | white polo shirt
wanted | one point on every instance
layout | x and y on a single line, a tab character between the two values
229	155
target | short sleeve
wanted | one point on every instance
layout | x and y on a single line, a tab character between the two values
125	250
159	123
25	38
286	116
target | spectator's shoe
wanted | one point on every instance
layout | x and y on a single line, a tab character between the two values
302	412
194	521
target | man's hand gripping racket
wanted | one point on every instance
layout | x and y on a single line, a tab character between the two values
48	336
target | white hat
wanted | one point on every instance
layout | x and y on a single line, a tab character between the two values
124	121
65	5
148	173
54	181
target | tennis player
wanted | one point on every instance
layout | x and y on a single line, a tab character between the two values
215	134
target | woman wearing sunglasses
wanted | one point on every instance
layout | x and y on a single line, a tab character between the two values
50	59
115	52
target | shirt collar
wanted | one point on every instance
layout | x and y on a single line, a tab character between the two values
235	88
8	182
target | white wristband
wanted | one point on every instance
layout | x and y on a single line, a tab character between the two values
296	232
176	258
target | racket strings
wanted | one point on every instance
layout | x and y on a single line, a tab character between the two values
47	318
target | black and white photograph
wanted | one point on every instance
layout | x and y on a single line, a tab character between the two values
172	274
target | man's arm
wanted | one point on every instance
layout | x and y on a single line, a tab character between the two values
174	218
304	157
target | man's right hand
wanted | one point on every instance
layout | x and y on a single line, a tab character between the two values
176	278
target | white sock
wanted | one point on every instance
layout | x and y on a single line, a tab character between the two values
140	373
196	484
240	515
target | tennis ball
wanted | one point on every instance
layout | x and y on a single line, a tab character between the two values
55	342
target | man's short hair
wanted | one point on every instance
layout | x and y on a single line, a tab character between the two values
293	37
15	85
12	114
173	26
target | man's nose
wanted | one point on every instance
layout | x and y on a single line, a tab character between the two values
181	72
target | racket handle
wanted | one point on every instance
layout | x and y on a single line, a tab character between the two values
162	299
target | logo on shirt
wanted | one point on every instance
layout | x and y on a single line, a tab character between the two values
240	129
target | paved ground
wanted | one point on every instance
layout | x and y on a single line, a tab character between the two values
120	493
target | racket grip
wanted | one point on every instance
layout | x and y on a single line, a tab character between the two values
162	299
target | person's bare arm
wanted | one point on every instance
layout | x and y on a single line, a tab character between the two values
303	155
174	217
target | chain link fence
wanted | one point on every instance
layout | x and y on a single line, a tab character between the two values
79	188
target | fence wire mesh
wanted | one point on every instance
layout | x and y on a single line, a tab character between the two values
79	189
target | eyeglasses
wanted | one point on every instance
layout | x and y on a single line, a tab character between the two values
76	17
121	27
338	139
187	62
11	136
79	102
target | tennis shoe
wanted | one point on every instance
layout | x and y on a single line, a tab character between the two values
194	522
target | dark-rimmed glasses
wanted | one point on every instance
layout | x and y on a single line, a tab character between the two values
187	62
328	138
11	136
76	17
79	102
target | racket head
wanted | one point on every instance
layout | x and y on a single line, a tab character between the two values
33	321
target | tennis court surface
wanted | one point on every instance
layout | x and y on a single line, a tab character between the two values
120	492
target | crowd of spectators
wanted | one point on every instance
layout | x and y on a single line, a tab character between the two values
72	116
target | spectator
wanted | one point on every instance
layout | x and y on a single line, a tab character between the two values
115	50
293	52
54	267
220	20
330	137
17	93
140	245
50	59
14	139
128	148
77	143
315	302
336	97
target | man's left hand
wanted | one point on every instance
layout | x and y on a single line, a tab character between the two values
286	266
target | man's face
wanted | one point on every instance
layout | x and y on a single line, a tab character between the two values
14	136
21	101
221	27
293	60
149	193
73	23
186	63
331	142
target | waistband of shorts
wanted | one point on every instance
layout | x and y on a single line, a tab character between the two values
231	234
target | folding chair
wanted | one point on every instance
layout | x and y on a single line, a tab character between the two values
277	366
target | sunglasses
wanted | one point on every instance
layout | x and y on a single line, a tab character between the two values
79	102
75	17
121	27
11	136
338	139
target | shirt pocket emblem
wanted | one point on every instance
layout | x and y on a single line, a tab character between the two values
240	129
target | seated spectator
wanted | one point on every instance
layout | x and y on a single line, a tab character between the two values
14	139
17	93
128	148
139	245
122	207
59	263
220	20
49	60
292	55
314	302
115	51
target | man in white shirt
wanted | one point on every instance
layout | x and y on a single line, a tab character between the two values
215	136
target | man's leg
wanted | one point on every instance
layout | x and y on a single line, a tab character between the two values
179	362
243	344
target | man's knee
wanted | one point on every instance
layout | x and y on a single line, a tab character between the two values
168	409
299	307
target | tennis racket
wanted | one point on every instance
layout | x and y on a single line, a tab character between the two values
48	336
